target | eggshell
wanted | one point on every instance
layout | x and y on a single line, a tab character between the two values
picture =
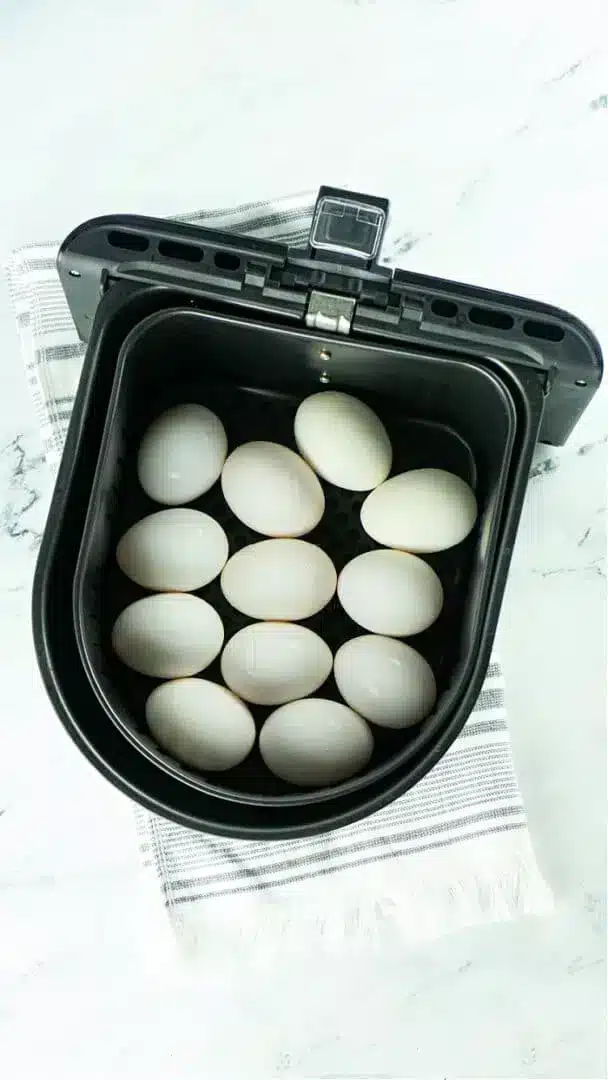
385	680
315	742
181	454
423	510
168	635
173	551
279	579
269	663
390	592
272	490
343	440
200	724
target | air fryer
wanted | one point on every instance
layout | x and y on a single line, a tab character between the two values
464	379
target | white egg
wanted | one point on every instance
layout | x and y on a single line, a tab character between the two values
168	636
385	680
279	579
269	663
272	490
200	723
423	510
181	454
343	440
390	592
173	551
315	742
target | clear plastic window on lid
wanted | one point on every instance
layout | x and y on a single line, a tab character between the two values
347	227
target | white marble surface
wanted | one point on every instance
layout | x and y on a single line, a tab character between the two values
487	125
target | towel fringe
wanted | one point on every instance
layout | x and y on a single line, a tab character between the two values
404	903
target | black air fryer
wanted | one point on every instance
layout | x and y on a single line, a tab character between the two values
464	379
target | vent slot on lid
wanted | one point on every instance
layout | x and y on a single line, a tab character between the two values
446	309
128	241
542	330
497	320
225	260
172	249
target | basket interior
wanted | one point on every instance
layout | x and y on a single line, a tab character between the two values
448	414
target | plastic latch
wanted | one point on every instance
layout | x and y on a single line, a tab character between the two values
348	224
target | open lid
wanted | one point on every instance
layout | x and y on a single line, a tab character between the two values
336	285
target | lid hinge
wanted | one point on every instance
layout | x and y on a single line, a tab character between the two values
329	312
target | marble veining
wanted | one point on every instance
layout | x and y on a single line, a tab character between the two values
18	472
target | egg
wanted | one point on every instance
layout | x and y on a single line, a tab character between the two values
315	742
270	663
272	490
422	511
390	592
343	440
173	550
385	680
168	635
181	454
283	580
200	724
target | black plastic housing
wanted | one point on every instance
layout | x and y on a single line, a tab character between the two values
454	390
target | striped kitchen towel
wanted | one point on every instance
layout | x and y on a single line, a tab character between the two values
453	852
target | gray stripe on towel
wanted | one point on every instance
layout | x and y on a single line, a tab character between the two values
323	871
432	833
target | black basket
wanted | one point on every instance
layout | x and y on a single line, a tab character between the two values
463	379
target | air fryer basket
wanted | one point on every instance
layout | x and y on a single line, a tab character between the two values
482	374
64	676
254	377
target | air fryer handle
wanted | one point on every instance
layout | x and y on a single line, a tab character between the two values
347	227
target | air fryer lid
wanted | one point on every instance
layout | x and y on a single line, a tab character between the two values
334	284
